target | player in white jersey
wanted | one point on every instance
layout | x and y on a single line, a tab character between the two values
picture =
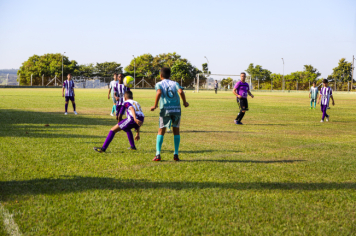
134	120
112	91
69	94
313	95
119	91
324	98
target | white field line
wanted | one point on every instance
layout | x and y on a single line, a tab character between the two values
10	226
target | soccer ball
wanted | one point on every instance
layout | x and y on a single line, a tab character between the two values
129	81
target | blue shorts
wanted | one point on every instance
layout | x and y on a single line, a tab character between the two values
69	98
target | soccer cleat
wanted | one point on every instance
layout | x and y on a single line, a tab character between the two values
327	119
98	150
131	148
65	113
111	114
75	113
239	123
236	122
157	158
175	157
311	108
322	121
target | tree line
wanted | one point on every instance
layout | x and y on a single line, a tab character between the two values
147	66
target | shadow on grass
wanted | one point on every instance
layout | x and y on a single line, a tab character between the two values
246	161
17	123
9	190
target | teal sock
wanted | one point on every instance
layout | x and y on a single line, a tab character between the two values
311	104
314	104
114	108
176	143
159	144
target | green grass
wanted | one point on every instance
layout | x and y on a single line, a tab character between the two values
282	173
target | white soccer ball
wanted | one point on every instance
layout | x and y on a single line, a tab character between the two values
129	81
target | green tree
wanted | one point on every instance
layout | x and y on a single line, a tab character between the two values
226	82
182	70
49	65
342	73
86	70
142	65
310	73
107	69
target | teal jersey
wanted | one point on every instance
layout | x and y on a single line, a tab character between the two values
169	103
314	92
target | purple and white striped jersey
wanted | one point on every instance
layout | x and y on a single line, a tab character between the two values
69	86
325	93
131	103
120	90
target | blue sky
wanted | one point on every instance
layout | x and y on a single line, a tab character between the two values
231	34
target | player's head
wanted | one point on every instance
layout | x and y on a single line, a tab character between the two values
128	95
115	76
243	76
216	81
165	73
69	76
314	84
120	77
325	82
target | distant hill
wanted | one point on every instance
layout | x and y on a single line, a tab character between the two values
9	71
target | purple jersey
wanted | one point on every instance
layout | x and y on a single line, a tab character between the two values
242	88
69	86
325	93
136	107
120	90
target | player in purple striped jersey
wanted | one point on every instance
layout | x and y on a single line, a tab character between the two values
241	90
119	91
69	94
324	98
134	120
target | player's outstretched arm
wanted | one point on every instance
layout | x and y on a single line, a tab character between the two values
63	92
137	137
332	98
158	96
109	93
249	93
182	95
319	98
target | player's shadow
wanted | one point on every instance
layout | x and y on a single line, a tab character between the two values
48	186
18	123
246	161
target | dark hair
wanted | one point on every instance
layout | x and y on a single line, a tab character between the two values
128	94
69	74
166	72
115	73
314	82
122	75
325	81
242	73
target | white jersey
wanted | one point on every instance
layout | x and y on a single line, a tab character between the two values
136	106
112	86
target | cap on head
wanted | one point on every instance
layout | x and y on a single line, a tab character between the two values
166	72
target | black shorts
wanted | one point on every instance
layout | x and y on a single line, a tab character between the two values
69	98
243	104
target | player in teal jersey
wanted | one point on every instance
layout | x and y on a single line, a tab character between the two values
170	110
112	91
313	95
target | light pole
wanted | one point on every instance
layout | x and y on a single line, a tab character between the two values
207	79
283	76
62	66
134	71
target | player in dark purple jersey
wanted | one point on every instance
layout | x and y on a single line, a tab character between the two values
69	94
119	91
241	90
134	120
326	94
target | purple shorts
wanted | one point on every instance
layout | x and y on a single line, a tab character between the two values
69	98
129	123
118	109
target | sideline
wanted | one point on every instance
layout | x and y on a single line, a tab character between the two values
10	226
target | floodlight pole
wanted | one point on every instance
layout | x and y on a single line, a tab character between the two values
353	67
283	76
62	67
134	71
207	79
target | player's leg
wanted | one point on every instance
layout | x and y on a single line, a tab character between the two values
163	124
109	138
239	114
244	108
323	110
66	105
311	103
314	103
73	104
175	125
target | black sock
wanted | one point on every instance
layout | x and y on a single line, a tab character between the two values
242	116
238	116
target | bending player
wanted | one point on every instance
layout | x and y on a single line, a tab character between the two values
112	91
170	110
325	94
119	91
313	95
241	90
134	120
68	86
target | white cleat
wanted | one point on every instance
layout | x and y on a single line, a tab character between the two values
322	121
65	113
112	114
327	118
75	113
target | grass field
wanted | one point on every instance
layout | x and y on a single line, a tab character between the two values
282	173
